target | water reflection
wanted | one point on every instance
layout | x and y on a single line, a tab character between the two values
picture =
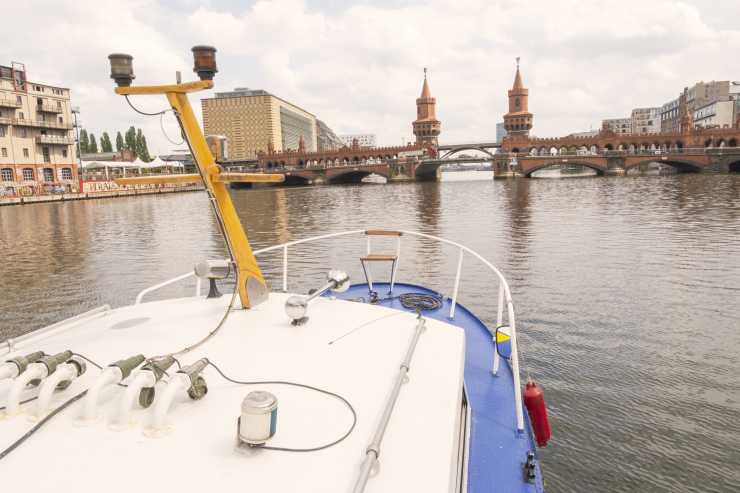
626	290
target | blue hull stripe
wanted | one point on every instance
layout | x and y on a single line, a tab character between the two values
497	451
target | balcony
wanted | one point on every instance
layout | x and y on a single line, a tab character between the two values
41	124
49	108
4	120
9	103
54	140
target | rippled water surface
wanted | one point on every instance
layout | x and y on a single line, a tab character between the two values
627	290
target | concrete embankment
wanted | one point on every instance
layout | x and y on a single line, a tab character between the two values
38	199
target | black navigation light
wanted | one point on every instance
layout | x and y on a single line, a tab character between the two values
204	60
121	69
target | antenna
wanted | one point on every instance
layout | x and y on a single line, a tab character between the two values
517	62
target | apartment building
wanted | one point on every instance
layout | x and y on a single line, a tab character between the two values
645	120
254	120
37	146
617	125
363	140
697	96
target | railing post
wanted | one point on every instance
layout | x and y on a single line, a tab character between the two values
515	370
285	269
499	321
457	284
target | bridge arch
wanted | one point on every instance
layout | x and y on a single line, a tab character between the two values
455	150
354	175
599	168
295	180
680	165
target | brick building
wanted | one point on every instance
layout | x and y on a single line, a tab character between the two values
37	148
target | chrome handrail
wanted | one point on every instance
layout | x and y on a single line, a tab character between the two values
372	452
505	303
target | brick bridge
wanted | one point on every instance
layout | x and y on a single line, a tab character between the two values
619	162
351	164
392	169
693	150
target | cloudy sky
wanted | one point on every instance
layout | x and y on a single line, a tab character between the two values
358	65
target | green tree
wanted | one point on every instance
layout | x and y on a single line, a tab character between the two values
84	142
119	142
141	148
93	145
130	139
105	143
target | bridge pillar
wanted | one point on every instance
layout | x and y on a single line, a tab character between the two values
615	166
720	163
504	166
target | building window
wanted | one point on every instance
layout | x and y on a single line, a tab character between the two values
2	131
22	132
5	152
66	173
64	152
6	174
59	105
21	116
25	152
61	120
18	100
48	174
28	174
47	155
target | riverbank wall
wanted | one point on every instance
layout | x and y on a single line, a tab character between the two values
63	197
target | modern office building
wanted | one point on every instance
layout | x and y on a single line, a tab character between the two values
326	138
37	147
363	140
255	120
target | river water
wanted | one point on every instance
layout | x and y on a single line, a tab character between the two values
627	292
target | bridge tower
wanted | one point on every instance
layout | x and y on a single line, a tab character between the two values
518	121
426	126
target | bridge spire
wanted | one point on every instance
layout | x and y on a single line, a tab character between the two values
518	121
426	126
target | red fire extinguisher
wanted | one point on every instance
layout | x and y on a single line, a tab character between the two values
534	400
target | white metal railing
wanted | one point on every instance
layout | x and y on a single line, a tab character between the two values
505	304
12	344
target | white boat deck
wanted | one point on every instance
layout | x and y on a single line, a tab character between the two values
198	453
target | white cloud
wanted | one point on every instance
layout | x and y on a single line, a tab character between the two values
358	65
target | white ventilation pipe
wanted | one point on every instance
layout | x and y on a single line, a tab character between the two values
67	371
179	383
35	371
59	380
8	370
144	378
110	375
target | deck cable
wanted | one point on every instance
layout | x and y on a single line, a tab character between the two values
41	423
299	385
